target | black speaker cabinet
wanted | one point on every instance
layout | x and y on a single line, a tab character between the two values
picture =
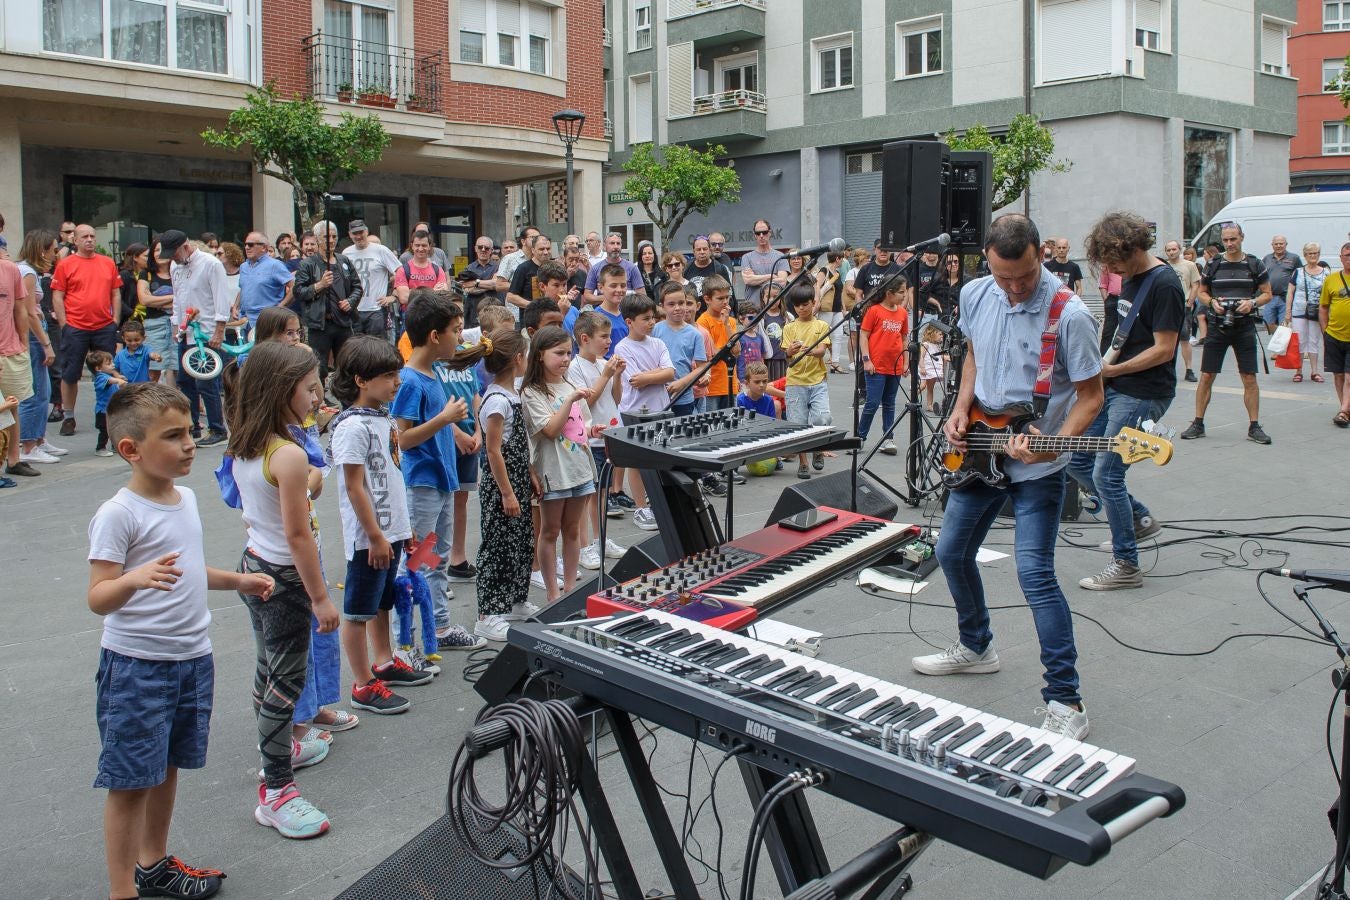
970	197
913	192
435	866
834	490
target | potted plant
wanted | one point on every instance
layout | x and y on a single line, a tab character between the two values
418	103
344	92
376	95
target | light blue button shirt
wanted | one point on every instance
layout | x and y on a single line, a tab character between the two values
1007	343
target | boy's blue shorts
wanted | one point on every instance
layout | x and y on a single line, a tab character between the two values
152	714
369	590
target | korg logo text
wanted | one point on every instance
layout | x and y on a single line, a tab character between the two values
763	732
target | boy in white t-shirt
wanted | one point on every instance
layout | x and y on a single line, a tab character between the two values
148	578
589	368
647	372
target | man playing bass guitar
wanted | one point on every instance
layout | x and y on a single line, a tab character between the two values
1007	320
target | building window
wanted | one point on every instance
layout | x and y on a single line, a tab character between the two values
1148	24
737	73
1336	16
183	34
357	35
508	33
918	47
832	62
1274	35
1332	75
640	109
1207	175
1335	139
642	24
122	211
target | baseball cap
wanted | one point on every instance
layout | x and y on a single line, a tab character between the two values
356	225
170	241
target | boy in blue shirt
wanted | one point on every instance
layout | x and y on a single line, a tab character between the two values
755	395
684	341
133	360
106	382
426	419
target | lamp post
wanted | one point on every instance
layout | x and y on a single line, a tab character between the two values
568	125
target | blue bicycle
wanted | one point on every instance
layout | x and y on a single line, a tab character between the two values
200	361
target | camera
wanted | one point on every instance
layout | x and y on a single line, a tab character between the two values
1230	313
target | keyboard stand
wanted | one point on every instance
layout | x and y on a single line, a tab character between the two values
791	839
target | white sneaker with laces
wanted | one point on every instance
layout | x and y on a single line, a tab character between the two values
1064	719
590	556
54	450
956	660
521	611
645	519
537	580
39	456
613	550
492	628
1117	575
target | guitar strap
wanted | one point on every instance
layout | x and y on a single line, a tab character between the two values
1040	398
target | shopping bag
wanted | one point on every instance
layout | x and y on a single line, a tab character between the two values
1290	358
1279	340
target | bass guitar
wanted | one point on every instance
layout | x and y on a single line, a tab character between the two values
988	435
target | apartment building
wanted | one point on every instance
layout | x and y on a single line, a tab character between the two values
1167	108
1319	157
102	103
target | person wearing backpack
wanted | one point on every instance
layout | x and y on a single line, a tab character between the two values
1238	278
328	292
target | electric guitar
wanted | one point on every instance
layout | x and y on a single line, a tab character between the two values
989	433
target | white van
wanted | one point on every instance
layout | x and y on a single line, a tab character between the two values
1320	217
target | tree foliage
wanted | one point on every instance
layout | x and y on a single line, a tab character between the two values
1342	85
289	140
1027	148
682	181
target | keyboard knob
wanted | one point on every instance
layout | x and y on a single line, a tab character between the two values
888	738
940	755
921	749
904	745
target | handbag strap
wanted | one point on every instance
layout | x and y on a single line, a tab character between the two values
1040	397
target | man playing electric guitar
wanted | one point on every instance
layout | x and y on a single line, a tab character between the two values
1141	382
1012	319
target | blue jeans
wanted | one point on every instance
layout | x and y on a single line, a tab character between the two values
33	411
1036	506
208	391
881	391
431	510
1104	473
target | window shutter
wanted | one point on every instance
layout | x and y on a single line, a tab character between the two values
641	127
473	15
680	80
1148	15
1075	39
1272	44
541	21
508	17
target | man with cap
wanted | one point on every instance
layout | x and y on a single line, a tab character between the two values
328	290
375	265
264	280
200	284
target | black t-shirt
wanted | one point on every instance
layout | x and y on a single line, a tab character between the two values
1226	279
947	294
524	282
870	275
1067	272
695	274
1163	309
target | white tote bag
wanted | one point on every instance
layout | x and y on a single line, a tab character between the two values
1279	340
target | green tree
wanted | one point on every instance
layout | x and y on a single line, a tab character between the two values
1027	148
289	141
1342	85
682	181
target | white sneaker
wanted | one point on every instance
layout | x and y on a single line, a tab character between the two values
46	447
521	611
888	447
955	660
645	519
562	570
103	453
613	550
590	556
492	628
537	580
40	456
1118	574
1064	719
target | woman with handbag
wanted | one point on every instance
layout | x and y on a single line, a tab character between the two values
1300	312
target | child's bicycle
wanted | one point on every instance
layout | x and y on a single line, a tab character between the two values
200	361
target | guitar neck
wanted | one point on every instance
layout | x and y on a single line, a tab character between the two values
1054	443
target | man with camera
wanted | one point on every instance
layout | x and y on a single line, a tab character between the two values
1233	289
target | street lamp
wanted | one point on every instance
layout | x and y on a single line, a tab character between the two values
568	125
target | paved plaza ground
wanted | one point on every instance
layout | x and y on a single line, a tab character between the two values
1240	729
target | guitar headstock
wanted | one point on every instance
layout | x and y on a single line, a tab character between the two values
1134	445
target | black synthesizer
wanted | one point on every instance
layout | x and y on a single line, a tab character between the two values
716	441
1017	794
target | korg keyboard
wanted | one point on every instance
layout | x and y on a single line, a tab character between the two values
1015	793
716	441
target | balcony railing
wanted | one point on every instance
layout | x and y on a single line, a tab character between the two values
729	100
373	74
606	39
676	9
609	127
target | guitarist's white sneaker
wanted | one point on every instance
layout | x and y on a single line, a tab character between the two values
1118	574
957	660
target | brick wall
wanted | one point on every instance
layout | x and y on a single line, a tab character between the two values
284	25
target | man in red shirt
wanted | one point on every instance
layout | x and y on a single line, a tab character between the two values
86	296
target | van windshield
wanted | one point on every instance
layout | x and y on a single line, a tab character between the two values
1209	236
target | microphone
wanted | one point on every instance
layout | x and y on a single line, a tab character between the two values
941	242
1337	581
835	246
